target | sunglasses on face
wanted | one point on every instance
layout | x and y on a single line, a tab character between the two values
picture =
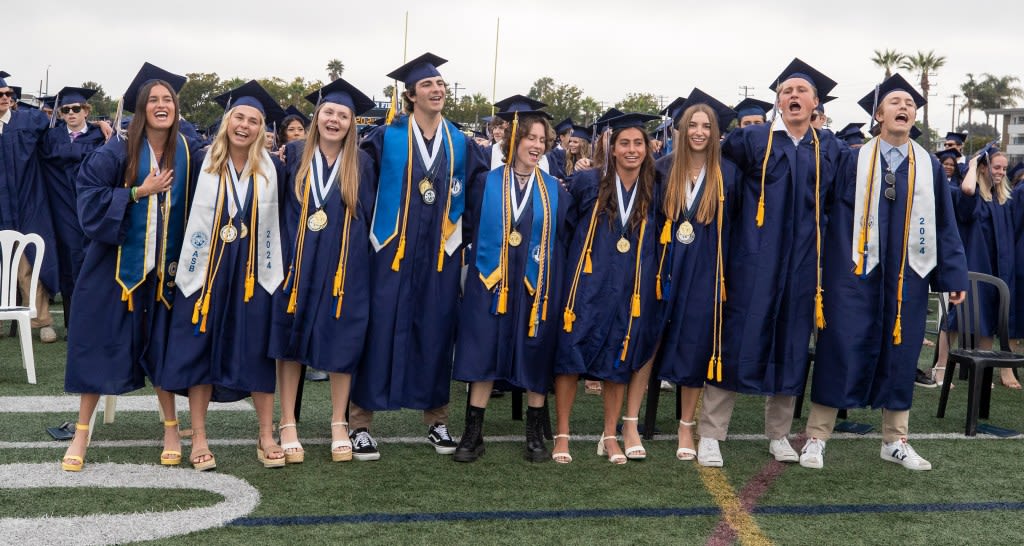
8	94
69	109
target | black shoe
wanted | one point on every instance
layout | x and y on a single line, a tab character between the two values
442	441
536	450
922	379
472	445
316	375
364	447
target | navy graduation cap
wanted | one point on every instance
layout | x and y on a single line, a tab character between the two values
74	95
752	107
424	66
3	78
821	103
150	72
602	122
27	105
959	138
946	154
580	131
724	113
799	69
341	92
1015	170
914	132
564	125
895	82
630	121
674	109
851	133
518	104
251	94
293	111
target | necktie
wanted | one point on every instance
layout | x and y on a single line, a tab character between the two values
74	135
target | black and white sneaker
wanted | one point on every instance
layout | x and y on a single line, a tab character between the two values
364	447
442	441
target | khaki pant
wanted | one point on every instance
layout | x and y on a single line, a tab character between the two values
363	418
718	404
821	421
43	317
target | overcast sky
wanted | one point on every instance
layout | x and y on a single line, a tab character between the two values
606	48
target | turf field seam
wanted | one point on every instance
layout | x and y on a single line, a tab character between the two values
69	404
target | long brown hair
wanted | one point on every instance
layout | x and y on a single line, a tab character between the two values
523	127
348	173
675	191
583	150
137	129
606	191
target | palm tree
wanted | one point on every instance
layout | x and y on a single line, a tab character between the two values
887	59
971	90
334	69
1000	92
925	63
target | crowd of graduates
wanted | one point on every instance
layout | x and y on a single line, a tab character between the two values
707	252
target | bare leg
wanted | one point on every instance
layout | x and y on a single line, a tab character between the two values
172	437
939	371
289	374
688	413
634	399
341	385
612	395
480	393
198	404
264	402
565	397
86	407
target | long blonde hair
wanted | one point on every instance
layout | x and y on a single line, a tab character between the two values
675	191
348	173
219	149
1003	191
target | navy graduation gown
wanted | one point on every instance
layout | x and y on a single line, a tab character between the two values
604	296
688	281
1017	295
232	354
556	163
312	335
494	347
987	232
111	350
856	363
23	202
771	271
407	359
62	158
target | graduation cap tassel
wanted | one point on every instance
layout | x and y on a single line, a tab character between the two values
118	113
53	113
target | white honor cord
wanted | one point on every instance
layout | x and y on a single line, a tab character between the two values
517	207
625	209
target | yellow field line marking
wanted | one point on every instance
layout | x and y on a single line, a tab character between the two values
736	516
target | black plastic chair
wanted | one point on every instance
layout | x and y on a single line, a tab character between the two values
978	364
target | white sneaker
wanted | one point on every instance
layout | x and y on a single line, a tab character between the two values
813	454
667	386
784	453
900	452
708	453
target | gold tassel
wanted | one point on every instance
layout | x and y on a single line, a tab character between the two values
396	265
657	286
588	266
292	302
897	332
636	305
666	232
819	310
711	368
533	320
131	303
568	317
337	310
503	300
544	310
760	211
202	327
625	348
195	310
250	285
206	304
723	288
718	362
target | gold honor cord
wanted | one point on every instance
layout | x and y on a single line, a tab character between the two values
584	266
300	242
545	241
339	274
167	219
447	231
897	331
506	223
715	362
664	240
634	308
250	264
400	252
202	307
862	240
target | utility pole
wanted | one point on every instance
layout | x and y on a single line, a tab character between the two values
745	90
455	91
952	120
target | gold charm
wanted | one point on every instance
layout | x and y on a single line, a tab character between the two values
515	238
228	233
427	192
685	233
317	221
623	245
243	232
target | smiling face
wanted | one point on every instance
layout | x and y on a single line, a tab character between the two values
428	95
896	114
531	147
294	131
997	168
574	145
629	148
698	132
949	166
244	126
333	122
160	110
797	100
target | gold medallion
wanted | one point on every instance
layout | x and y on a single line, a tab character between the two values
228	233
685	233
243	232
317	221
623	245
515	238
427	192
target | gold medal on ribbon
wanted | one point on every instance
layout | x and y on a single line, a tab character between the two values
228	233
515	238
317	221
623	245
243	232
685	233
427	192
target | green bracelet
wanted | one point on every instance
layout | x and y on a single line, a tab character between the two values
134	198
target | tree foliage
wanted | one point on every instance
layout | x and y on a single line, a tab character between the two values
642	103
103	106
564	100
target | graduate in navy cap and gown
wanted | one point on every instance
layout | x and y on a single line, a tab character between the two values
851	135
551	162
424	167
818	118
320	316
610	319
65	147
508	318
293	127
576	149
774	253
696	188
891	238
230	267
950	168
23	200
133	195
562	131
751	111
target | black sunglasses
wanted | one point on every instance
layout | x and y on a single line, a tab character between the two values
68	109
890	190
8	94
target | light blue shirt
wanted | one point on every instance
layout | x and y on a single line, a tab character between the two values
893	155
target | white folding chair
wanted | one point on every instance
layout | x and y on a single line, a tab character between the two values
12	248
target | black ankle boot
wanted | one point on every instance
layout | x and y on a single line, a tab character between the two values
536	451
471	446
